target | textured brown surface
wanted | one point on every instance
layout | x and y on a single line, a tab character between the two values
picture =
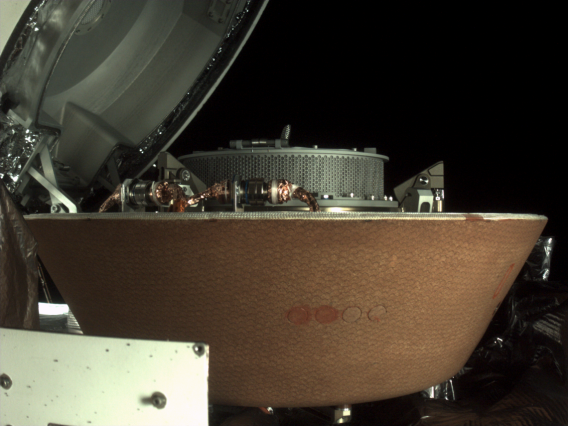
18	268
278	300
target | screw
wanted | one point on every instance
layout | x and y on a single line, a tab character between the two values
199	349
185	175
5	381
424	180
354	149
159	400
55	208
314	146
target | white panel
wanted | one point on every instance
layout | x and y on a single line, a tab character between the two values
66	379
10	13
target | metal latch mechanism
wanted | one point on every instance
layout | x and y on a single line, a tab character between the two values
423	192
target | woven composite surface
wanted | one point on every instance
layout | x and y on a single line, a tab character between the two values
296	312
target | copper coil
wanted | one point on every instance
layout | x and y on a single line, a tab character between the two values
307	197
218	190
112	200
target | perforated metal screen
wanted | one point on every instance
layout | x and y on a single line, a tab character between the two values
332	172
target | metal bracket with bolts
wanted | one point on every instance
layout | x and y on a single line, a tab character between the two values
423	192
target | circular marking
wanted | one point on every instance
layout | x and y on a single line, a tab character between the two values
326	315
377	313
351	314
298	316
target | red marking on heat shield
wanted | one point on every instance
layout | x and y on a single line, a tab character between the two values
326	315
298	316
502	283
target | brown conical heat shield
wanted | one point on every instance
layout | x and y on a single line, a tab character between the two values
299	309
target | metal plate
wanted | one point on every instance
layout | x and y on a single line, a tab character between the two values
65	379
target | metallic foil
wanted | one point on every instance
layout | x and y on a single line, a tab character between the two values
16	142
537	266
18	268
16	146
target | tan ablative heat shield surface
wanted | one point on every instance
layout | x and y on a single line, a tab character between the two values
299	309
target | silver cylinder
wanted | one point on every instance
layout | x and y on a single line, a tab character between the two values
140	193
323	171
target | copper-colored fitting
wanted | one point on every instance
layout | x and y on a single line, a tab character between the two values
166	192
307	197
178	206
284	191
218	190
112	200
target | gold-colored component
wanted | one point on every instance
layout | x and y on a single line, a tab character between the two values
307	197
112	200
218	190
284	191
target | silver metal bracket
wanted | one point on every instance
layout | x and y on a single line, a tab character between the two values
423	192
236	194
41	157
171	169
125	198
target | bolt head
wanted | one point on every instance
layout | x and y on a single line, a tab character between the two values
199	349
424	180
159	400
185	175
5	381
55	208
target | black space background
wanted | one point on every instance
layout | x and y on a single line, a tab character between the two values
474	87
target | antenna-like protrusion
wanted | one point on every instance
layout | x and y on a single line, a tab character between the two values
286	132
